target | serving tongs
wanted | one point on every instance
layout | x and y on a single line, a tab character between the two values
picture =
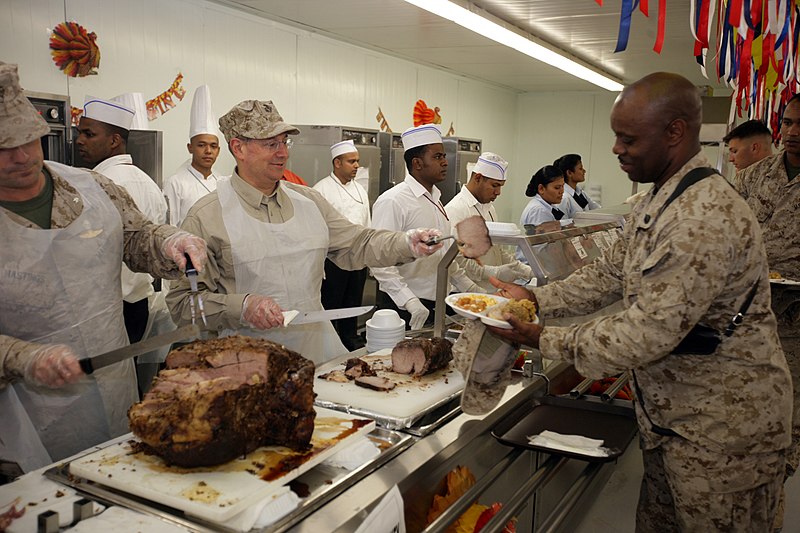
474	237
194	294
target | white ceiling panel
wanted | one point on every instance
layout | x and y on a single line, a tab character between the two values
579	27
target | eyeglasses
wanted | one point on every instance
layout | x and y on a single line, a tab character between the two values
272	146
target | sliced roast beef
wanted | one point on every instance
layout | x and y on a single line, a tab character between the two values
223	398
355	367
375	383
421	356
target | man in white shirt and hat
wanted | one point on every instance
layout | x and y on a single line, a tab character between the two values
65	232
196	177
345	288
102	141
268	240
477	198
411	288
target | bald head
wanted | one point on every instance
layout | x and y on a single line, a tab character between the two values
656	121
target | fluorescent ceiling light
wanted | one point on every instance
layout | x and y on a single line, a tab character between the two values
482	26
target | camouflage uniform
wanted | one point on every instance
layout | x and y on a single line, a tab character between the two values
776	203
695	262
141	251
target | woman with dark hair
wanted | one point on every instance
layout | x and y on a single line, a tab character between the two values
574	200
545	190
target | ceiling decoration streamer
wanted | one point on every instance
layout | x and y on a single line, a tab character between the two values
753	45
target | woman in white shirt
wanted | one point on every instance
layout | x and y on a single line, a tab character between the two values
574	199
546	188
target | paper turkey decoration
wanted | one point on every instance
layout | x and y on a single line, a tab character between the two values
74	49
425	115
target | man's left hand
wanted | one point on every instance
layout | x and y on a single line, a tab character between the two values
525	333
184	242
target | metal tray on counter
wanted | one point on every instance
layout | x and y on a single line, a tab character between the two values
322	483
611	422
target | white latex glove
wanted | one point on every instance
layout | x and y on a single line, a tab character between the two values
509	272
184	242
52	366
419	313
261	312
416	241
475	288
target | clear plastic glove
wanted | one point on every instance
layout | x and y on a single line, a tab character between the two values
261	312
184	242
52	366
416	239
509	272
419	313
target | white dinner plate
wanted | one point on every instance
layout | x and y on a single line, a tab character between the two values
489	321
451	301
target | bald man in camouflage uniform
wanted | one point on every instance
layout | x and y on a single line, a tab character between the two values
772	190
714	428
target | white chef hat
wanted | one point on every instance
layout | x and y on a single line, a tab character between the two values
109	112
202	120
420	136
344	147
136	102
491	165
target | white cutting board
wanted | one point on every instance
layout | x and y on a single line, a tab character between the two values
216	493
410	397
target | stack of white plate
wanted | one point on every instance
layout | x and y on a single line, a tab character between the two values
384	330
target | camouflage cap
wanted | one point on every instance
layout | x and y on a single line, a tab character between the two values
254	119
20	123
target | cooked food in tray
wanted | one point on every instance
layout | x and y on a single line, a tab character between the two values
775	275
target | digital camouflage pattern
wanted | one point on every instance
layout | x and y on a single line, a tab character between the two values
141	247
775	201
687	488
695	262
20	123
254	119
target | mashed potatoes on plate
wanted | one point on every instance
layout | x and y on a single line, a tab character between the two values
523	310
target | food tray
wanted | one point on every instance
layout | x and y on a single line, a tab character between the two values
782	281
217	493
324	482
399	408
614	424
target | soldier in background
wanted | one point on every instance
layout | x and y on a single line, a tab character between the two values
748	143
714	420
771	188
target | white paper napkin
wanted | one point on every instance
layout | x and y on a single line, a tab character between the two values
271	509
121	520
569	443
354	455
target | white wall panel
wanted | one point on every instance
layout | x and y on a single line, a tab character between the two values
438	89
330	83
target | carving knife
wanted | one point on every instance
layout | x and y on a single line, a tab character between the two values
320	316
91	364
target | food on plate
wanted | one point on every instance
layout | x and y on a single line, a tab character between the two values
477	303
337	375
522	310
775	275
375	383
355	368
421	356
222	398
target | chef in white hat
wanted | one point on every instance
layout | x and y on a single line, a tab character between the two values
65	232
195	178
345	288
102	141
477	198
411	288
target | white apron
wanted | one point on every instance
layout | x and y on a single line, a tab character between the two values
285	262
61	286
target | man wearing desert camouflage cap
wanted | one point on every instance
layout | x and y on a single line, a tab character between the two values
65	232
268	240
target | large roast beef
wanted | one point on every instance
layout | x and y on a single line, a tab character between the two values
421	356
223	398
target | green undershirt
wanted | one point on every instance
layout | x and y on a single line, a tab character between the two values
37	209
791	170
